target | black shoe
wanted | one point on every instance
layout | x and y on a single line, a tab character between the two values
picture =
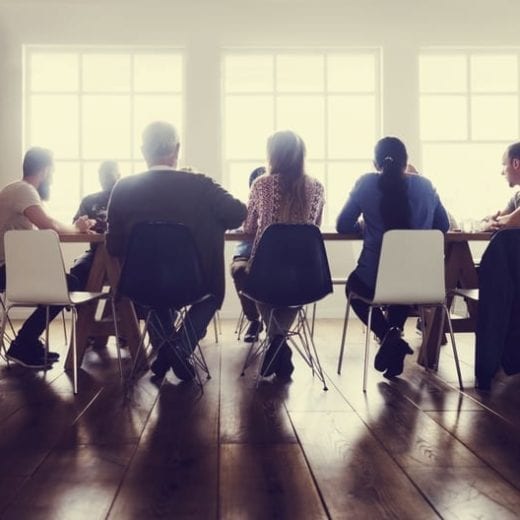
285	367
26	357
254	329
51	356
396	361
270	363
385	352
160	365
179	363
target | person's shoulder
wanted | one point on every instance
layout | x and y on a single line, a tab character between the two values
22	189
419	182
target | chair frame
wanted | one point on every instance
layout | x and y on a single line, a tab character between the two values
72	300
380	304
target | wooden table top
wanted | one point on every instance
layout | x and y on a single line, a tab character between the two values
451	236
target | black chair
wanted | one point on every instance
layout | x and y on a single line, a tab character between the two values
289	269
162	272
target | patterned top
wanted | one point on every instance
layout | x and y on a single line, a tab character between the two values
265	205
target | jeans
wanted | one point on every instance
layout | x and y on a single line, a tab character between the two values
395	314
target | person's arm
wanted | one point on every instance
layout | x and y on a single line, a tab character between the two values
251	222
115	236
504	220
229	211
38	217
441	219
82	210
347	221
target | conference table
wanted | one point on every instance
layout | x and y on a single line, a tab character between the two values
459	269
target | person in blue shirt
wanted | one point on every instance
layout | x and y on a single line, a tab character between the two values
239	267
387	199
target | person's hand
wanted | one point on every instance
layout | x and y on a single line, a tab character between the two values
84	224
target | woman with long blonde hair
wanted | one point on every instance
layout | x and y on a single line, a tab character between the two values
286	195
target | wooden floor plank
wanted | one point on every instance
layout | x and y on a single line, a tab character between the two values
267	481
355	475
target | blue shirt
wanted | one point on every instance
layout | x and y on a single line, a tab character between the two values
426	212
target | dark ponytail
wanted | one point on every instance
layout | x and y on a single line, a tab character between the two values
391	159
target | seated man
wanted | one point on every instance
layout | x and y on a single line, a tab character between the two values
94	207
165	193
21	208
509	217
239	274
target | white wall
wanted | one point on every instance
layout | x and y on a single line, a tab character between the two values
203	27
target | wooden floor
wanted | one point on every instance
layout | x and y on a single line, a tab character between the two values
412	448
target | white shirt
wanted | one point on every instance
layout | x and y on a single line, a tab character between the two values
15	198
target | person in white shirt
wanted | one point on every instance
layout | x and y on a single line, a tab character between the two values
21	208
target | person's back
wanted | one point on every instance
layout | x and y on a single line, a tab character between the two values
390	199
166	194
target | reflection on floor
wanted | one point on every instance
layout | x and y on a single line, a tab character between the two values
413	448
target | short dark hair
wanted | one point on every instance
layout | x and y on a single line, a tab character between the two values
513	151
255	174
35	160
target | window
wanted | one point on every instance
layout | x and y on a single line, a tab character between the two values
330	98
91	104
469	103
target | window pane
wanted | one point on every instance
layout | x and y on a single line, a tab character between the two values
155	108
494	73
468	177
238	175
443	73
299	73
443	118
157	73
248	73
249	122
106	127
54	124
305	115
106	72
354	73
352	127
65	191
54	72
494	118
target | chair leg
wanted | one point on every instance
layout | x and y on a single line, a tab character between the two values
315	360
343	336
64	326
116	332
454	347
141	343
313	319
74	350
238	326
215	327
5	319
46	352
272	320
367	348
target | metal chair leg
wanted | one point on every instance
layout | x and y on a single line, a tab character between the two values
74	350
343	336
64	327
453	346
367	348
116	332
313	319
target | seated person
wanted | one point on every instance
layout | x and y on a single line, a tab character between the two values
94	207
21	208
239	274
509	217
388	199
285	195
165	193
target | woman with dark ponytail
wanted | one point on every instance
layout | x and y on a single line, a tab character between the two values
388	199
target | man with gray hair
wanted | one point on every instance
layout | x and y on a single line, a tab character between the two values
166	193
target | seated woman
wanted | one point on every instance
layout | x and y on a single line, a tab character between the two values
388	199
286	195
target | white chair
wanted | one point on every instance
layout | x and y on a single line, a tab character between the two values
410	272
35	275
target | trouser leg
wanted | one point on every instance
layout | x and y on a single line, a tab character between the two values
239	275
284	319
379	324
196	322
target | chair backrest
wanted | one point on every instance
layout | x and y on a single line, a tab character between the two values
290	266
35	272
162	267
411	267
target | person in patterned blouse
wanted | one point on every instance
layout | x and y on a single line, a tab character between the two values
286	195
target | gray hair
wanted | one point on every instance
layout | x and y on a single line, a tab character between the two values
160	139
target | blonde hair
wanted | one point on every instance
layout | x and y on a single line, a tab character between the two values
286	158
